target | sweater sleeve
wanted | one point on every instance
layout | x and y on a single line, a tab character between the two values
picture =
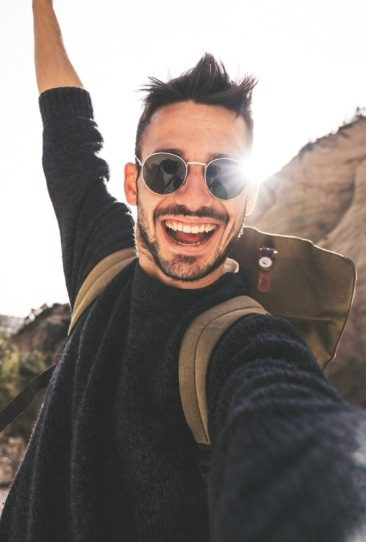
92	223
289	454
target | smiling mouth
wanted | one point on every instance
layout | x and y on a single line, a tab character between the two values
189	235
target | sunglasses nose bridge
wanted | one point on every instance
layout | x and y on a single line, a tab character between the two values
202	164
202	170
194	184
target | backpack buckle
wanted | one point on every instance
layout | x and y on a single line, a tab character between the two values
266	260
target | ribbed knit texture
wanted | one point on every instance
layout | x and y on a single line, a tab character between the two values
111	457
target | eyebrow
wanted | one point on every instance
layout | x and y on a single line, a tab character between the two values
181	153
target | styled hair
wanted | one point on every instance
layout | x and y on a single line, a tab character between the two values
207	83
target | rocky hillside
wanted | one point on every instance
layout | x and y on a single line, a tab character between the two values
321	195
45	331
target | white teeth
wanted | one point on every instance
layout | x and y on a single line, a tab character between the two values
178	226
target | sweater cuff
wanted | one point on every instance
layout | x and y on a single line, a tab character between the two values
65	101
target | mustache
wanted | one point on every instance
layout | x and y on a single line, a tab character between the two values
182	210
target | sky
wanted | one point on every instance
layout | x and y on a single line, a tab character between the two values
308	56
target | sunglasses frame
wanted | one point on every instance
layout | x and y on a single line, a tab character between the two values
141	164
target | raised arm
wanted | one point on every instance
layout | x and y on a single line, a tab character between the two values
53	67
92	223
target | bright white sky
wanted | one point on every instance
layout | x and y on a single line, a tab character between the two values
309	57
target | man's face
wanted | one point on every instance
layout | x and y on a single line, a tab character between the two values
187	259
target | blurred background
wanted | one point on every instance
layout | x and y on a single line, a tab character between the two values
309	151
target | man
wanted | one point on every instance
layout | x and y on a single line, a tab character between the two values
111	457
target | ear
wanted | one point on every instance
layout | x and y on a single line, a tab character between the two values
130	183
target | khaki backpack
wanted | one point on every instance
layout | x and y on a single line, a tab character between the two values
288	276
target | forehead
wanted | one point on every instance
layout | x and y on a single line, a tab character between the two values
199	131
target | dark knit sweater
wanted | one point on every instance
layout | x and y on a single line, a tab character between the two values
111	457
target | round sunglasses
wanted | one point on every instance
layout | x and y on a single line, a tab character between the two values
164	173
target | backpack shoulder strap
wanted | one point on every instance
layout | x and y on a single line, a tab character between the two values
197	345
25	397
98	278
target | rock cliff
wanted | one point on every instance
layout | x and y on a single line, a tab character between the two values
321	195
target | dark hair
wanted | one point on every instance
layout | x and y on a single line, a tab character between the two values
207	83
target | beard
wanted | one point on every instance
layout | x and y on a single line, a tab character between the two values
183	267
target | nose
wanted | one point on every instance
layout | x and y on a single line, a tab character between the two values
194	188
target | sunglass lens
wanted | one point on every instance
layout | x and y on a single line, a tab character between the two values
225	178
164	173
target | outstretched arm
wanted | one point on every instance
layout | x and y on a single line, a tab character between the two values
289	454
53	67
92	223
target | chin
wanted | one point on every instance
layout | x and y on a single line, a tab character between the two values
188	268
